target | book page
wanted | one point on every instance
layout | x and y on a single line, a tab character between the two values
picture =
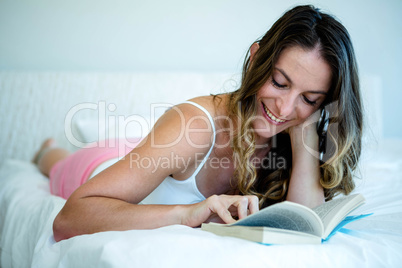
332	212
286	215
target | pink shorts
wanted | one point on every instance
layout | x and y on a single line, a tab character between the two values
70	173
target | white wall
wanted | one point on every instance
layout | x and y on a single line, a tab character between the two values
206	36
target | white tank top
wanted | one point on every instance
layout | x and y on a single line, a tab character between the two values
172	191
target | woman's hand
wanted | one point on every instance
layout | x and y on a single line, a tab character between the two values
306	132
220	208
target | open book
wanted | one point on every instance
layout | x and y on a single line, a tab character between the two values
292	223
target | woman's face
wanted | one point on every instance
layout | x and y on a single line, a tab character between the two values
298	86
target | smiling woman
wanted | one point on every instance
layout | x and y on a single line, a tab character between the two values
303	63
221	157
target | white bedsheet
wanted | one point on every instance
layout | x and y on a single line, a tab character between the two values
27	211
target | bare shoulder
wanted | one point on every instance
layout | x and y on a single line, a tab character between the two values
186	124
215	105
217	108
192	123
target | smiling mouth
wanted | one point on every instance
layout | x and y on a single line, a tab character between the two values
271	116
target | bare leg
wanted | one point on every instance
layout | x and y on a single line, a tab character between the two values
48	155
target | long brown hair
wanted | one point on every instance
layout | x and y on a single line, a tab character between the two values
306	27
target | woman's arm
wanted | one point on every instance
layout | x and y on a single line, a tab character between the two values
304	185
87	215
109	200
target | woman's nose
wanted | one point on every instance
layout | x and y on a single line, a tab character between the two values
286	105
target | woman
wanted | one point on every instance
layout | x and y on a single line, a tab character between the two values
237	151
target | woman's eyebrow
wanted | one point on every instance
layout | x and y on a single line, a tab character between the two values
290	81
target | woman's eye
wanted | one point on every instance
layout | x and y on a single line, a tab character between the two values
309	102
276	84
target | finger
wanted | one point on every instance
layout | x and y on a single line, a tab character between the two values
313	118
242	206
224	214
253	204
217	206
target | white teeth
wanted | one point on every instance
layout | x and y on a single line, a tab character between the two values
272	116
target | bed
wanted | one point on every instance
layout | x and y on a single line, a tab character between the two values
27	209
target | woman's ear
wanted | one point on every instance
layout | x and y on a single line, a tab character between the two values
253	49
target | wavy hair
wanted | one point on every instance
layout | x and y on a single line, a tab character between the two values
306	27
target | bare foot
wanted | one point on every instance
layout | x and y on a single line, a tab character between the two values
48	143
